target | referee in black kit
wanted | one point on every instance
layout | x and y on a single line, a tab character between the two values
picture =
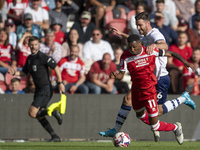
37	65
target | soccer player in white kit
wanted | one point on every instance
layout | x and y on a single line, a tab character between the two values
152	39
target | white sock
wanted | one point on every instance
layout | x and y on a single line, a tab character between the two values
121	117
172	104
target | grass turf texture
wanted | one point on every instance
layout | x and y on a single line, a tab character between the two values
99	146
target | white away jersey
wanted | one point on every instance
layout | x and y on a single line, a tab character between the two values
152	37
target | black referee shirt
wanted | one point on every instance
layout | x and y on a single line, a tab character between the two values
37	66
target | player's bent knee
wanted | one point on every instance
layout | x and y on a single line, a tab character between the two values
32	114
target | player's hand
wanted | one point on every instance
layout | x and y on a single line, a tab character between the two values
150	49
187	65
116	31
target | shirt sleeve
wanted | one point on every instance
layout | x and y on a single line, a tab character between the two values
123	64
159	52
49	61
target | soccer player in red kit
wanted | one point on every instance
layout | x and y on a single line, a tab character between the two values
141	67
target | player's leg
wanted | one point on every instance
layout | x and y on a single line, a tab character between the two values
165	107
38	110
121	117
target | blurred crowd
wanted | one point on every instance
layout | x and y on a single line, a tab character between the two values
75	33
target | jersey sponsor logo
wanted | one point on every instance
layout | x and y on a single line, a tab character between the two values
34	67
141	62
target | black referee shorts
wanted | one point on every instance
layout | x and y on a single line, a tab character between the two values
42	96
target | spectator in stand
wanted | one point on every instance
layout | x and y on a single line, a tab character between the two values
72	40
15	10
121	85
56	26
98	80
30	88
23	50
184	9
175	66
100	7
73	72
169	8
3	12
51	48
84	27
40	15
6	51
125	5
94	49
62	10
30	27
169	34
194	33
188	75
15	85
12	35
197	13
169	20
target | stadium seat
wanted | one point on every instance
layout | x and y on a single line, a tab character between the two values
130	13
116	19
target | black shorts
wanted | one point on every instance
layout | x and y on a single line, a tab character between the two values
42	96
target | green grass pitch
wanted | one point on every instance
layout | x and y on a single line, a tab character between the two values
138	145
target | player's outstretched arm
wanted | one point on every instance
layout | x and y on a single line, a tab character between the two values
179	57
117	75
118	32
15	73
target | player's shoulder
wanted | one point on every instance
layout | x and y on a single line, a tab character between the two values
126	53
156	34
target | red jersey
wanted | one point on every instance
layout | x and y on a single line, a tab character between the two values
5	53
103	75
59	37
186	53
71	70
141	67
22	54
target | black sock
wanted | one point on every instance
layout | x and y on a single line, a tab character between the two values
41	113
44	122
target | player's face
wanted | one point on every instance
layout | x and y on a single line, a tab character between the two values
74	52
135	47
34	46
142	26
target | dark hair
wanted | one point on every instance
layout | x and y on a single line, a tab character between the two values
74	46
182	32
144	5
143	16
133	37
195	4
15	80
195	49
33	38
160	1
7	40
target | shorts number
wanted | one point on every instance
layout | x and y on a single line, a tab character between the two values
152	103
159	96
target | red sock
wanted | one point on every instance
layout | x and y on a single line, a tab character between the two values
145	118
164	126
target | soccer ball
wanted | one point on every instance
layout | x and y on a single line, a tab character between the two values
121	139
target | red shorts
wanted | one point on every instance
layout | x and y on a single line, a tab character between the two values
145	99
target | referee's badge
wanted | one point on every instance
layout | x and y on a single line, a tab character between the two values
34	67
